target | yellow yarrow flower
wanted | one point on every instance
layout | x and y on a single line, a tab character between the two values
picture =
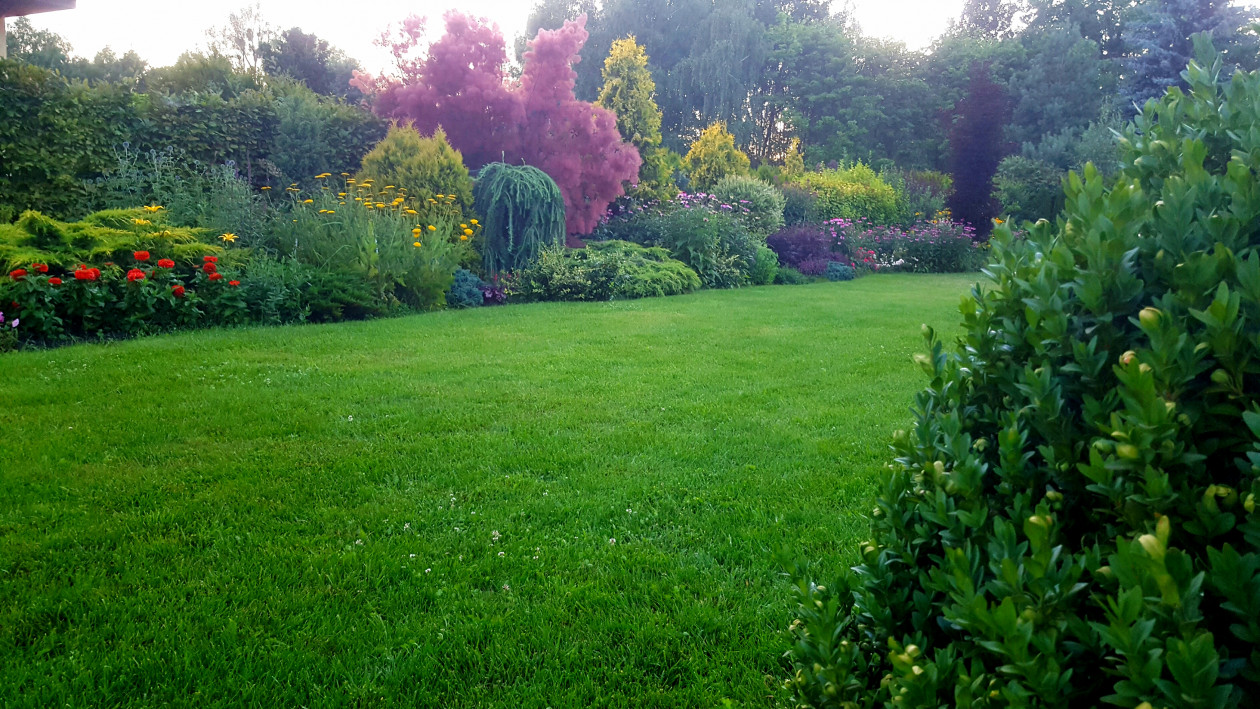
468	232
463	237
417	244
473	222
432	228
308	201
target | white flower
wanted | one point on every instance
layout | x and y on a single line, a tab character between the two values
494	536
413	556
507	587
350	418
612	541
427	570
359	542
501	554
406	526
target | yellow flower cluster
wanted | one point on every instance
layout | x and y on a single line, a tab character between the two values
392	199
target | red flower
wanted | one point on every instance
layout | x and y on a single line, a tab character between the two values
209	267
109	264
166	263
141	255
216	276
134	274
54	281
83	273
178	291
39	267
17	274
210	259
234	283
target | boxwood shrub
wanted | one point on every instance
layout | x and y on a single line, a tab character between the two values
1071	520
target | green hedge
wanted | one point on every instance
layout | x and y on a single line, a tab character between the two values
52	134
56	135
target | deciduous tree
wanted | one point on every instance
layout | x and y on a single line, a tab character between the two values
462	85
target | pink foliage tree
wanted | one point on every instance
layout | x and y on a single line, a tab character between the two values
462	85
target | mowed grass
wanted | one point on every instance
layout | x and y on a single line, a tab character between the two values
554	505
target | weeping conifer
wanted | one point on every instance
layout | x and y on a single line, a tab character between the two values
523	212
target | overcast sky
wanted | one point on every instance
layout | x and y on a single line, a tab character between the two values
161	30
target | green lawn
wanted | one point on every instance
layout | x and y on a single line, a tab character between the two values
422	511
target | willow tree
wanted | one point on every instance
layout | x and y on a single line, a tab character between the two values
522	211
629	92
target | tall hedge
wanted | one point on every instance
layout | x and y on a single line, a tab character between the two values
55	134
1071	521
51	133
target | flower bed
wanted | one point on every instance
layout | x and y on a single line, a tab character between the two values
937	245
139	296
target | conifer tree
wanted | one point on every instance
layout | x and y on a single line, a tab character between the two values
714	156
629	92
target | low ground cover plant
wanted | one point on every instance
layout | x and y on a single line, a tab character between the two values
606	270
110	235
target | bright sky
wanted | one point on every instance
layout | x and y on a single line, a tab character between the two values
160	30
